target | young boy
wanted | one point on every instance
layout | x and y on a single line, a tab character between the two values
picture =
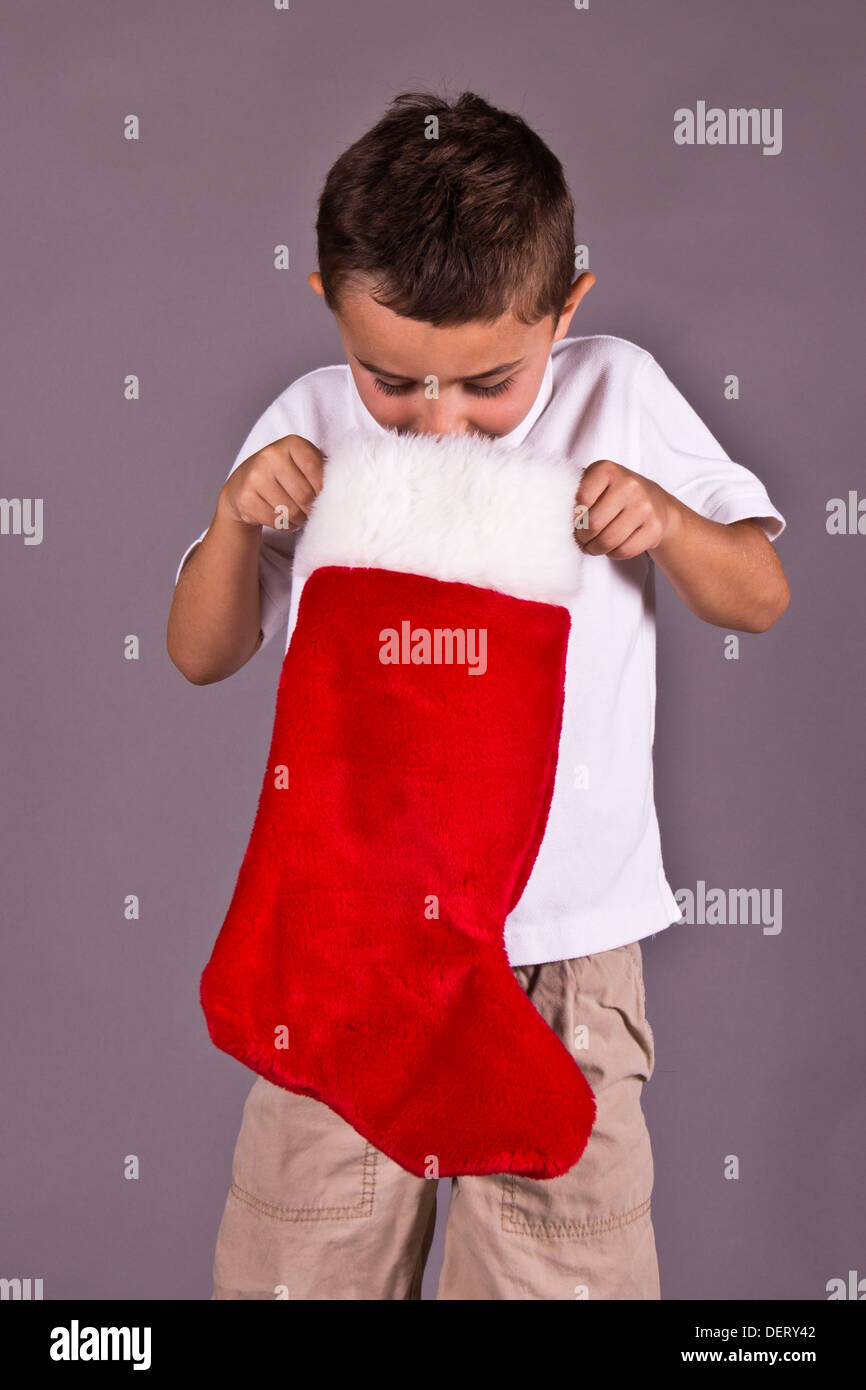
446	254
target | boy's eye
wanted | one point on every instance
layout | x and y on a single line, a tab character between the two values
391	390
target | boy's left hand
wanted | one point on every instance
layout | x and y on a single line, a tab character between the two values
619	513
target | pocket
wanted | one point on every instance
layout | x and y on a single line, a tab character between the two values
297	1160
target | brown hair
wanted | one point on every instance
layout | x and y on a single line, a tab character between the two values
452	229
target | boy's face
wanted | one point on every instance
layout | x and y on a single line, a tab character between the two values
392	360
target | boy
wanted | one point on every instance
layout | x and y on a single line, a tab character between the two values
445	253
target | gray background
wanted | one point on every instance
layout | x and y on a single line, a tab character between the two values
155	257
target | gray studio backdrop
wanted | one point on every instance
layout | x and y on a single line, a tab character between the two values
155	258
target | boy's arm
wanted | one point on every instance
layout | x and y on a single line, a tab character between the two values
214	623
186	561
728	574
217	618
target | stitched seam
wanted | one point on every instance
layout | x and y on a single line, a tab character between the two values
637	971
362	1208
565	1230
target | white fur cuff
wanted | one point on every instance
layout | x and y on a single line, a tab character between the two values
454	507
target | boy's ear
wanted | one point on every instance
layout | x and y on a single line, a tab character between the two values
314	279
584	282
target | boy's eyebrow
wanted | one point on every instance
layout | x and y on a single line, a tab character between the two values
476	376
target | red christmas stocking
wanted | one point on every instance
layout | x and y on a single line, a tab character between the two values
411	766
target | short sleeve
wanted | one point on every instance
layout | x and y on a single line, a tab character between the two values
679	453
276	554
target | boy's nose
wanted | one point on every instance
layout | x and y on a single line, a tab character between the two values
441	423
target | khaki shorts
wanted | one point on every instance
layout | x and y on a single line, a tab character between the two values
316	1212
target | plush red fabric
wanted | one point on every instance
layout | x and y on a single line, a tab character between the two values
404	781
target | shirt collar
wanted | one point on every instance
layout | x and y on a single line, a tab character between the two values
362	417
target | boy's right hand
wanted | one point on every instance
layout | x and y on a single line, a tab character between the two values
275	487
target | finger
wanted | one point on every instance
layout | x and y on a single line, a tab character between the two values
309	461
301	475
591	523
615	533
285	482
594	480
281	504
295	483
637	544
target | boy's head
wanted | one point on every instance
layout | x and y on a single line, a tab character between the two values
446	250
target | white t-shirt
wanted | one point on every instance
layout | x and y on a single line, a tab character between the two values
598	881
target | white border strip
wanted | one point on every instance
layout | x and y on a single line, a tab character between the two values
454	507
